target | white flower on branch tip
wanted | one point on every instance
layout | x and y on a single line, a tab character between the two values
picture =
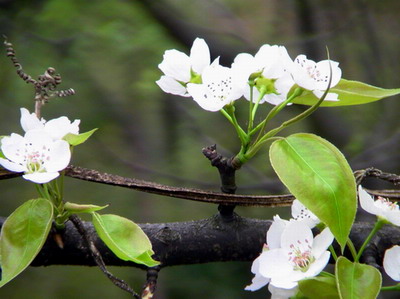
218	88
391	262
270	64
179	68
301	213
314	76
57	128
36	154
381	207
300	256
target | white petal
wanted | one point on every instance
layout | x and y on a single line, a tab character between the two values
170	85
199	55
59	156
275	232
11	166
13	148
367	202
30	121
323	67
297	233
331	96
393	217
280	293
59	127
318	265
321	242
391	262
257	283
176	65
201	96
274	263
41	177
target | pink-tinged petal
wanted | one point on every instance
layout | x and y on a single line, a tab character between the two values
298	234
391	262
199	55
176	65
11	166
41	177
321	242
367	202
59	156
170	85
280	293
275	232
29	121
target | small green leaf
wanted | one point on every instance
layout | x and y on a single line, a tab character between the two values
75	208
312	288
75	140
318	175
357	281
1	153
125	238
23	235
350	93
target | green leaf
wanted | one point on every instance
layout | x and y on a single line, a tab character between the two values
350	93
357	281
75	140
318	175
313	287
23	235
125	238
1	153
75	208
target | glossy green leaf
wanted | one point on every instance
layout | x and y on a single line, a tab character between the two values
350	93
1	153
125	238
23	235
312	288
318	175
357	281
75	140
75	208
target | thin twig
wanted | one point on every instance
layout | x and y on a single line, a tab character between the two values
98	259
151	283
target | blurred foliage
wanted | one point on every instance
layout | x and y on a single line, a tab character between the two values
108	51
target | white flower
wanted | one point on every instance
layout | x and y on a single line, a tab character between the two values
315	76
300	256
301	213
178	68
270	62
218	89
391	262
258	281
381	207
36	154
57	128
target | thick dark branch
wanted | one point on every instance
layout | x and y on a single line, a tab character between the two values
194	242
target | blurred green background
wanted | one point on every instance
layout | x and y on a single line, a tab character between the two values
108	51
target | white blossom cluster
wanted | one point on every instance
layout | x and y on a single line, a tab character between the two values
41	153
271	71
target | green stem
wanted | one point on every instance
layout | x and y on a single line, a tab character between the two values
230	114
250	125
40	191
391	288
332	250
352	249
378	225
274	111
263	90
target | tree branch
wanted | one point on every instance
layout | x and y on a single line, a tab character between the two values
194	242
